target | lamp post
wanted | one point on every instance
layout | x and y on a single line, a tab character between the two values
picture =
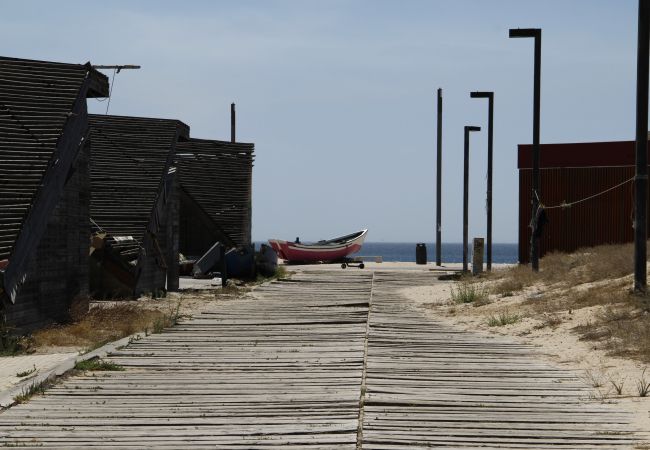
535	33
490	97
439	183
468	129
641	174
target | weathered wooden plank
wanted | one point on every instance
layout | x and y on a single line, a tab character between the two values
428	385
245	374
280	371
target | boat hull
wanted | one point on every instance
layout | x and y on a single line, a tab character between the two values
296	252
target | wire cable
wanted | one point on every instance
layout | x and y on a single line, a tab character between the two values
570	204
110	91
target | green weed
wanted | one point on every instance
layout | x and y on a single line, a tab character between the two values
96	364
502	319
466	292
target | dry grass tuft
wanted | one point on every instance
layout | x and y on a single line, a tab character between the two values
550	321
583	266
580	297
622	330
643	385
104	324
587	265
467	292
594	378
507	287
598	277
519	275
502	319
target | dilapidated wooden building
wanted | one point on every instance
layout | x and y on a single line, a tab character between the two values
44	195
134	205
215	194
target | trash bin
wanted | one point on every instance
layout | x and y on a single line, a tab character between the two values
420	253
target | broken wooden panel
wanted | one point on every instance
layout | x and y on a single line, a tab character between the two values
133	194
44	187
216	180
43	123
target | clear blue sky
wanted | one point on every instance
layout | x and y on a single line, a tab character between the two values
339	96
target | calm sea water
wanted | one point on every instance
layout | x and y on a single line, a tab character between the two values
451	253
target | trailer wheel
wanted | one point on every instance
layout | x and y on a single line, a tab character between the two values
362	265
343	265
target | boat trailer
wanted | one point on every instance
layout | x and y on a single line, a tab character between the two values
352	262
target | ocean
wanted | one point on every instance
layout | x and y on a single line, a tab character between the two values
451	253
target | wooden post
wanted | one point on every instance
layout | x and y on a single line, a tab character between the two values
477	256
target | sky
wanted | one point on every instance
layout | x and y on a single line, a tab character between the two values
339	97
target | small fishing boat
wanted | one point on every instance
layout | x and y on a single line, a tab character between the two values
337	249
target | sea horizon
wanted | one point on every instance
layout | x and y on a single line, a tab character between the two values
452	252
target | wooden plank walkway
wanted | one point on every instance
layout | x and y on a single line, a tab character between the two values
280	371
291	367
430	386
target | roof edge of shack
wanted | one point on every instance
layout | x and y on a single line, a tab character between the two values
579	155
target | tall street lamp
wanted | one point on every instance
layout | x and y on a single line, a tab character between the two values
468	129
641	174
439	183
490	97
537	34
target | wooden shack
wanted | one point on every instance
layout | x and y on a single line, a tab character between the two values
596	175
215	194
134	205
44	195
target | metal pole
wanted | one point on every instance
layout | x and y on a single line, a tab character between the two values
232	122
439	184
466	193
465	196
489	181
535	191
490	97
641	176
534	247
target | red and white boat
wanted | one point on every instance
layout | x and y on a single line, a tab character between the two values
336	249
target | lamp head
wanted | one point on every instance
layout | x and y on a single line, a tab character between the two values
525	32
472	128
481	94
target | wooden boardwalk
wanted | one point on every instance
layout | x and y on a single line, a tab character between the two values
290	369
430	386
283	371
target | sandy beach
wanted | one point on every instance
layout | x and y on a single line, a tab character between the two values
559	344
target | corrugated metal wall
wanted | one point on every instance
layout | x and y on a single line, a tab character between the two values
606	219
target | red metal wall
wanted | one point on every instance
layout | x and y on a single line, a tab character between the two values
571	172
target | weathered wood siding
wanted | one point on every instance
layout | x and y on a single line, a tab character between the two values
216	179
58	271
133	195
